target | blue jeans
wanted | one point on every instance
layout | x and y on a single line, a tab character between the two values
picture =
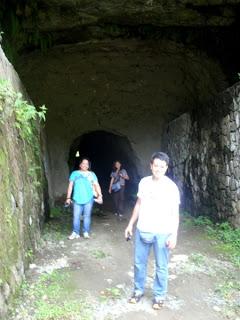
143	243
80	210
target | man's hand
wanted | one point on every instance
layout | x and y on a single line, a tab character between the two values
128	231
171	242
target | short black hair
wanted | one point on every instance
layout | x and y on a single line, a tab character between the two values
161	156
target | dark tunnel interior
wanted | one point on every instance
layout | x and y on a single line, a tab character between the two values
102	149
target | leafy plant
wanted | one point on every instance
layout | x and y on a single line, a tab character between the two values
26	114
98	254
228	240
57	229
50	300
29	254
16	37
200	221
197	258
113	293
228	287
226	237
55	212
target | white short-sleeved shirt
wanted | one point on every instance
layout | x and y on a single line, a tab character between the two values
159	205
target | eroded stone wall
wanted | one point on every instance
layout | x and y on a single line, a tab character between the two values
21	190
127	87
205	151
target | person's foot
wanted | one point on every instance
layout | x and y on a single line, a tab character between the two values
73	236
86	235
135	298
116	214
157	304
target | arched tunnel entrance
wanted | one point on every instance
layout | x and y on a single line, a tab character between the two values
128	92
103	148
136	87
110	75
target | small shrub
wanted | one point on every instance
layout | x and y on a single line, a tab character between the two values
25	113
98	254
229	240
197	258
113	293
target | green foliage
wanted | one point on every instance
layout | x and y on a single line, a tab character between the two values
113	293
49	293
26	114
228	289
226	233
39	40
55	212
29	254
58	228
34	173
190	221
50	298
228	238
98	254
202	221
197	258
16	37
229	286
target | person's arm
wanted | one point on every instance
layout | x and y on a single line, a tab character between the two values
134	217
172	239
110	186
124	175
69	192
97	189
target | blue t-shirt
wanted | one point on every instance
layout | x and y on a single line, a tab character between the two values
83	185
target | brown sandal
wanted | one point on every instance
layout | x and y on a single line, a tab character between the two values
157	304
135	298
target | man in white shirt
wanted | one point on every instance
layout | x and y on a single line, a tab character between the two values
157	214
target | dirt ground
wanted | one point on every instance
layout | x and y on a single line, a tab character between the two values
101	270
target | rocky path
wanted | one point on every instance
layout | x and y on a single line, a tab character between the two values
92	279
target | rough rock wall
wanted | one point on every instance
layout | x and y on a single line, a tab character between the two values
61	14
129	88
205	151
21	203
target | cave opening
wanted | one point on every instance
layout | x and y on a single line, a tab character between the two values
127	77
102	148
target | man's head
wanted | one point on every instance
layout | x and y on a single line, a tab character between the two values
159	164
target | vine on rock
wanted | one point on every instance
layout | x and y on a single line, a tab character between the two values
26	115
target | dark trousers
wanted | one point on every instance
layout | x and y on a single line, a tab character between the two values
118	199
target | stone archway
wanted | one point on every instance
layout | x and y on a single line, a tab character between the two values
103	148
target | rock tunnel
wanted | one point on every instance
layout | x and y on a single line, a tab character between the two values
105	148
120	80
114	76
126	88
